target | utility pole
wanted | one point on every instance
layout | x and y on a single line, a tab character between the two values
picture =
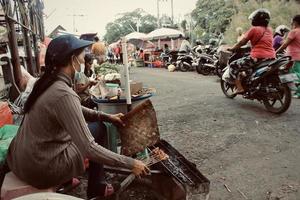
172	11
74	15
138	24
158	24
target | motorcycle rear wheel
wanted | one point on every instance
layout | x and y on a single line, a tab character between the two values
284	99
198	68
183	67
228	89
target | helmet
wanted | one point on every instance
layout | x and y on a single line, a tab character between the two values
260	17
199	42
282	29
62	47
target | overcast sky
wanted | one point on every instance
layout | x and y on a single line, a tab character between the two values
95	14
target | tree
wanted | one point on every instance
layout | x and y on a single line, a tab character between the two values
213	16
281	13
184	25
127	23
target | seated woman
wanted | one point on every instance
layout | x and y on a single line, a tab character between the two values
83	83
261	37
54	138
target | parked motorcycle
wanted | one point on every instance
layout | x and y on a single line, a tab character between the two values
169	59
186	61
206	64
269	82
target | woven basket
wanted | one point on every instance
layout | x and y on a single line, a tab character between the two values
140	129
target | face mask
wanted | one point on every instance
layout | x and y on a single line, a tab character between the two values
77	74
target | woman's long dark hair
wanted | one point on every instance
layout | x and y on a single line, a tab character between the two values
47	79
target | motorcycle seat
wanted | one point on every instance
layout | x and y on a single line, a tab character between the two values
263	63
279	60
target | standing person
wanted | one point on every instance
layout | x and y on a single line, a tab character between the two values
240	33
117	50
121	52
99	50
185	45
261	37
280	31
88	62
54	138
292	43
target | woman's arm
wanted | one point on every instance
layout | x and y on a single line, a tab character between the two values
239	44
70	116
284	45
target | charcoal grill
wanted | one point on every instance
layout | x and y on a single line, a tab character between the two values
188	177
181	169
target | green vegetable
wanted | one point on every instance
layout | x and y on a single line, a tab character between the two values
107	68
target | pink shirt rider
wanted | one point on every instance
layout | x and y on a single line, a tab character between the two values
293	49
261	39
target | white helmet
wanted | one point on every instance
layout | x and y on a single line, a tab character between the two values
281	29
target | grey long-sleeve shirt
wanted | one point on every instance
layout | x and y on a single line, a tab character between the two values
54	139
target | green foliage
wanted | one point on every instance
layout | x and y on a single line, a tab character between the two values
107	68
281	13
184	25
213	16
127	23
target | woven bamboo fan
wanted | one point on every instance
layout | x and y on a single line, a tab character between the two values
140	129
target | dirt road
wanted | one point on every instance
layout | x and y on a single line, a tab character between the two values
236	143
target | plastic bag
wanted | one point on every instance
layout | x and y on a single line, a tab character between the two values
7	133
226	74
6	116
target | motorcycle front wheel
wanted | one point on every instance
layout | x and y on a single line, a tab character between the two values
228	89
280	101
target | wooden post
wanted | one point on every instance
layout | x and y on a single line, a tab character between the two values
13	45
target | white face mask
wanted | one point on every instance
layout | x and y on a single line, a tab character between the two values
77	74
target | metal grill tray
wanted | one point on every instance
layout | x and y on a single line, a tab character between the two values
182	169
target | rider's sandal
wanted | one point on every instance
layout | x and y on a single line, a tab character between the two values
239	92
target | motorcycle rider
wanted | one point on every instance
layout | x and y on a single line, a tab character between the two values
292	43
185	45
280	31
198	47
260	37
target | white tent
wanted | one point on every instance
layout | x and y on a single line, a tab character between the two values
135	35
164	33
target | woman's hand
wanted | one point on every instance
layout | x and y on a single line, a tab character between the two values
91	83
230	49
139	168
115	119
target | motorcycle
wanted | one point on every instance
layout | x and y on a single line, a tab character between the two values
225	57
186	61
169	58
206	64
269	82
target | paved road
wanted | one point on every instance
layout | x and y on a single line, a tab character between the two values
233	142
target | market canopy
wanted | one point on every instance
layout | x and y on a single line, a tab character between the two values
164	33
136	38
135	35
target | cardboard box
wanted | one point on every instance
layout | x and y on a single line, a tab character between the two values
135	86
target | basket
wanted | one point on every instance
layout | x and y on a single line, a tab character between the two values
140	129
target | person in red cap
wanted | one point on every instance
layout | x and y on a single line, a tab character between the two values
54	138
